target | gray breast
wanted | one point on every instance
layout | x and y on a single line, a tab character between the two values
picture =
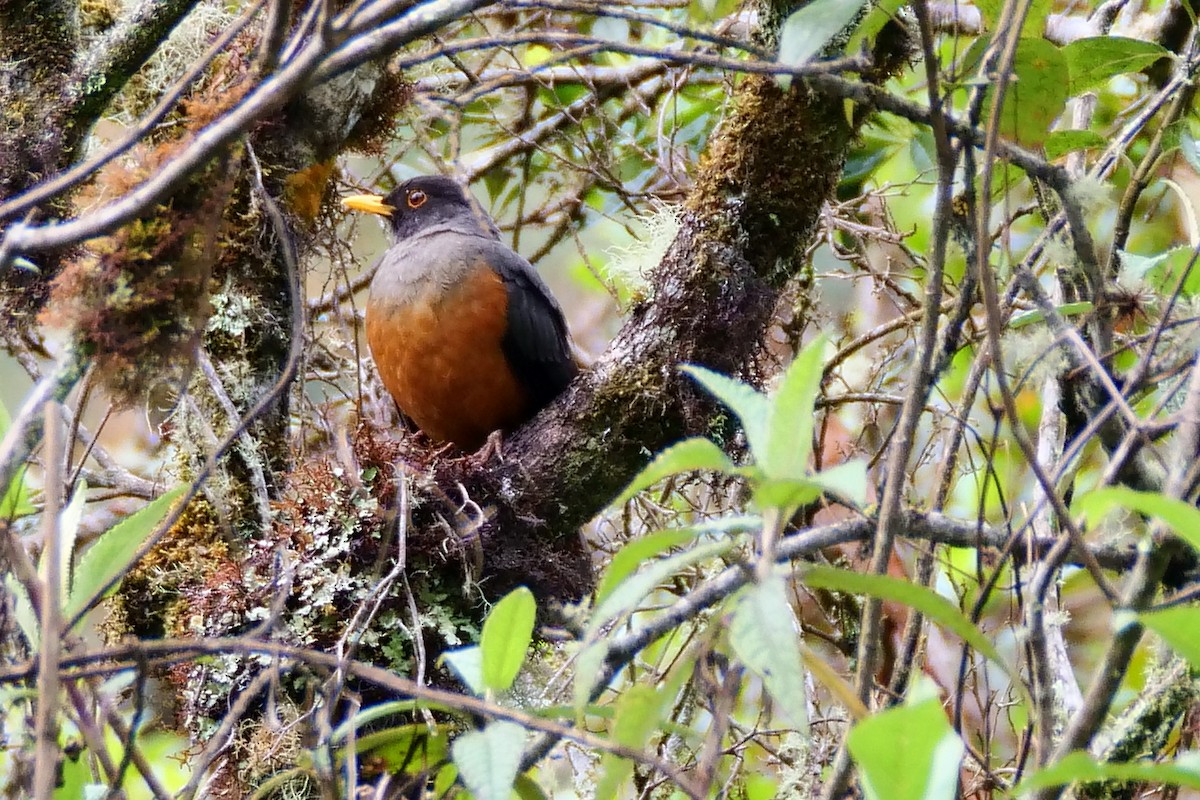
430	262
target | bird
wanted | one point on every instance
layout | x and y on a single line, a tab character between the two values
467	337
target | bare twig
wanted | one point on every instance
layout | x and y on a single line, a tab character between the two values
46	724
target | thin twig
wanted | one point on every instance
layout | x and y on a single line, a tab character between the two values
46	723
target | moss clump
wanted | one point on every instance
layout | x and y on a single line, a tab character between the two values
376	127
179	580
764	181
325	561
97	16
138	300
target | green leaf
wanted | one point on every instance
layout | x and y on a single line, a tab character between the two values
1037	96
787	495
445	781
15	500
790	418
639	551
882	12
526	788
1190	149
370	714
635	553
847	482
68	532
749	404
488	760
112	553
689	455
23	611
1161	271
761	787
588	664
626	596
1059	143
935	607
467	664
764	635
1138	266
1081	766
909	752
507	632
1183	518
1035	20
1094	60
1035	316
806	33
639	709
1177	626
411	748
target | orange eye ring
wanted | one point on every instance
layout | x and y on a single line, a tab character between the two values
416	198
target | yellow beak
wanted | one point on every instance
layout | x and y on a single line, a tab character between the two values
371	203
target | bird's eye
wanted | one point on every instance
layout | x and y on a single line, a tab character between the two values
417	198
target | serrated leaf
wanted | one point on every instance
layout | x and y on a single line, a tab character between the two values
1082	767
689	455
806	33
1177	626
488	760
764	635
790	418
1094	60
507	632
908	753
27	619
467	665
112	553
1183	518
1059	143
749	404
68	532
15	501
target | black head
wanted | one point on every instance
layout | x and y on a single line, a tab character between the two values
422	202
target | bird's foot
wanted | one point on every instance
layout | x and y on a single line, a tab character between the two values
492	447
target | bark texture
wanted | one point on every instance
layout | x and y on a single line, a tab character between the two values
776	158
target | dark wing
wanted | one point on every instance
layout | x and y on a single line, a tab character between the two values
536	341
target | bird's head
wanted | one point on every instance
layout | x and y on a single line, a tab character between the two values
421	203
